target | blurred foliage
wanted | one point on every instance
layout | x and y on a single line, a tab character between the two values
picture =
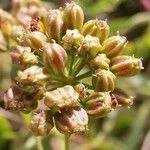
121	130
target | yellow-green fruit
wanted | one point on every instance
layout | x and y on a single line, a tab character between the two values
98	104
114	45
54	25
90	45
100	62
73	16
105	80
97	28
126	65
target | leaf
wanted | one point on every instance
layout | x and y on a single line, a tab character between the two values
6	131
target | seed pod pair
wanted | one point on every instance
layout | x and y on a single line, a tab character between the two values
114	45
61	97
98	104
23	55
104	80
41	124
18	100
73	16
97	28
100	62
126	65
55	57
72	38
54	25
71	121
90	45
123	99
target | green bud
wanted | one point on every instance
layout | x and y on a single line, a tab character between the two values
73	38
61	97
31	75
91	45
98	104
126	65
100	62
55	57
54	25
124	100
73	16
41	124
71	121
97	28
105	80
114	45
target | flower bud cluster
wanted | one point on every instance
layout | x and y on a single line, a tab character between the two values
55	56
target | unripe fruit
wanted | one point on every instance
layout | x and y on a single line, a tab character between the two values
71	121
100	62
90	45
35	40
54	25
61	97
114	45
23	55
97	28
72	38
126	65
55	57
31	75
98	104
124	100
73	16
105	80
41	124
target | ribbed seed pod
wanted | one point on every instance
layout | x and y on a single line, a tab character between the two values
73	16
90	45
97	28
114	45
72	38
73	120
55	57
54	25
31	75
61	97
105	80
41	124
126	65
124	100
98	104
100	62
35	40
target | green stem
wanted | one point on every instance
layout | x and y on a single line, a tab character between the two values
39	144
80	63
85	75
66	142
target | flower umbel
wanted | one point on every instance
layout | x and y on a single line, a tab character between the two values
67	69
